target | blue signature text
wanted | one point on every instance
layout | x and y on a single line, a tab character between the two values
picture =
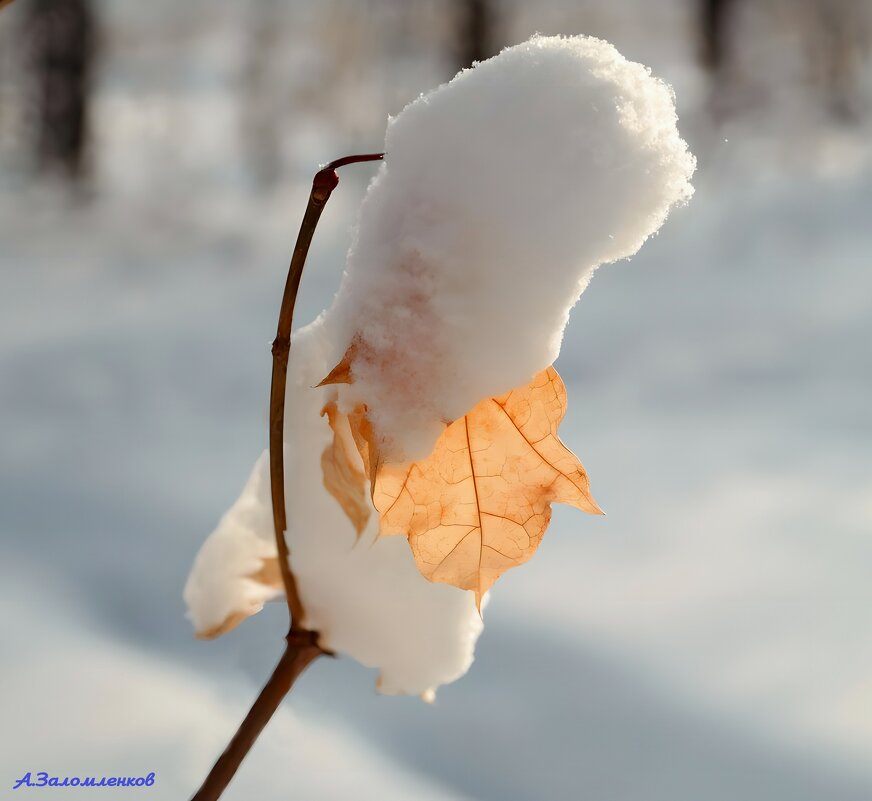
44	780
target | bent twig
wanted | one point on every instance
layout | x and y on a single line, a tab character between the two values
302	645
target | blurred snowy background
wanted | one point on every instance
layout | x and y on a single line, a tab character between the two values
709	640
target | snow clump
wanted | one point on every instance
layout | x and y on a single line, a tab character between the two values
499	195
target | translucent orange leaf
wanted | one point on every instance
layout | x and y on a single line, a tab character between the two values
343	477
481	502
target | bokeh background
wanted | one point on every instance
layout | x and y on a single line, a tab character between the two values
709	640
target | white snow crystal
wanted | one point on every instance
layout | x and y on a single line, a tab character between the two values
500	193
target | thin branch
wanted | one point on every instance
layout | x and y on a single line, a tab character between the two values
296	658
302	645
323	185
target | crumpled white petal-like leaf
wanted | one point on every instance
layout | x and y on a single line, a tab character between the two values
236	570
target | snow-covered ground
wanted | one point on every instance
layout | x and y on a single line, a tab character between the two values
709	639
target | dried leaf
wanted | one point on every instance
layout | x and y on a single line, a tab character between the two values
367	445
480	503
341	374
343	477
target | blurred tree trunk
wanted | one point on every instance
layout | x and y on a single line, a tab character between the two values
58	43
715	20
837	50
476	31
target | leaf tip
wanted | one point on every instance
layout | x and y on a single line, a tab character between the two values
341	374
228	624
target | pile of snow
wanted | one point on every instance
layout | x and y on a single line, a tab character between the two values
499	195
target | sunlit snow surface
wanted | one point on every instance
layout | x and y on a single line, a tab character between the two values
708	640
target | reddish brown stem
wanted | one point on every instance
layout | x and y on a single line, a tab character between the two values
302	645
324	183
296	658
